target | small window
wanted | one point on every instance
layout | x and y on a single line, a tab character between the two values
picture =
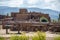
7	23
32	16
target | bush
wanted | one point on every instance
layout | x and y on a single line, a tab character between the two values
57	38
22	37
39	36
14	38
2	38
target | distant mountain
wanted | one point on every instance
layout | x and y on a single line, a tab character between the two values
53	14
4	10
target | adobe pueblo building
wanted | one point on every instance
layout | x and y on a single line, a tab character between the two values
27	21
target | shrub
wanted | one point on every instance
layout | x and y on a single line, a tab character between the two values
14	38
39	36
36	36
2	38
57	38
22	37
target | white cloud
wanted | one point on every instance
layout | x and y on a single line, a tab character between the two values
50	7
32	1
12	3
48	1
49	4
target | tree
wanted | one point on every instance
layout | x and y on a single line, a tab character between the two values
59	18
18	27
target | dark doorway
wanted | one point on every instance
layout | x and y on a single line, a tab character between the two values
43	20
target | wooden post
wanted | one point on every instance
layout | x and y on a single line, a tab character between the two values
7	29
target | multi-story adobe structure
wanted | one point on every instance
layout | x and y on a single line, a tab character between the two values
27	21
1	18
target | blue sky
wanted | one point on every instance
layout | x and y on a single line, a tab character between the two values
44	4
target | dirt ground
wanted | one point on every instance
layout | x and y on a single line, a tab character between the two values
49	35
